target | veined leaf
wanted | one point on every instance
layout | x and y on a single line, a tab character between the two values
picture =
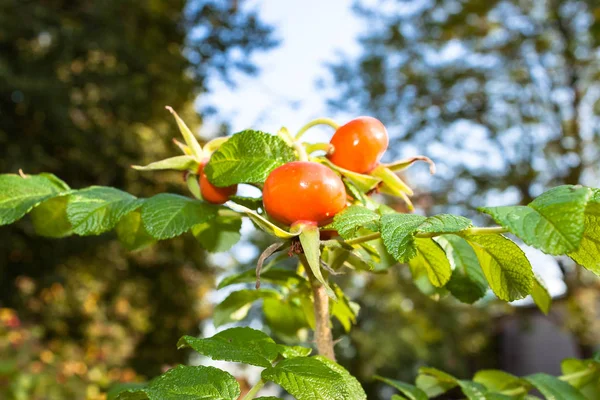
18	195
50	218
553	223
183	382
219	234
431	258
588	253
243	345
131	232
504	264
553	388
98	209
398	231
349	221
467	282
315	378
168	215
247	157
236	306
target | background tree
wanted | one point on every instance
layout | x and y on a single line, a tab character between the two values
503	95
82	93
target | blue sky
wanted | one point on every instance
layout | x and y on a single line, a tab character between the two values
284	93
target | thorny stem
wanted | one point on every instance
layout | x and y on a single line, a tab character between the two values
323	334
467	232
254	391
318	121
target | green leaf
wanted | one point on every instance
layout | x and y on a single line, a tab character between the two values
236	306
183	382
315	378
348	222
19	195
391	181
311	245
98	209
247	157
280	277
553	388
504	264
50	218
179	163
411	392
444	223
243	345
588	253
220	234
496	380
168	215
435	382
294	351
253	203
583	372
284	316
263	223
131	232
540	295
397	232
344	310
473	390
431	258
553	223
467	282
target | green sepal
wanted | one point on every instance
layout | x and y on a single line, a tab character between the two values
311	244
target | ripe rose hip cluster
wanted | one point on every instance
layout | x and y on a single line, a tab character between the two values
312	193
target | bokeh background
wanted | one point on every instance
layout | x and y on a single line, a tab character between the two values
503	95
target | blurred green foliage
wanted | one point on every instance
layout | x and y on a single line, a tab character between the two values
83	87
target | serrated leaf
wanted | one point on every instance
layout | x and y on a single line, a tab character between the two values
294	351
353	218
179	163
411	392
280	277
284	316
98	209
50	218
444	223
263	223
431	258
183	382
553	222
467	282
311	245
131	232
504	264
496	380
168	215
243	345
588	253
315	378
219	234
248	157
236	306
19	195
540	295
553	388
397	232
